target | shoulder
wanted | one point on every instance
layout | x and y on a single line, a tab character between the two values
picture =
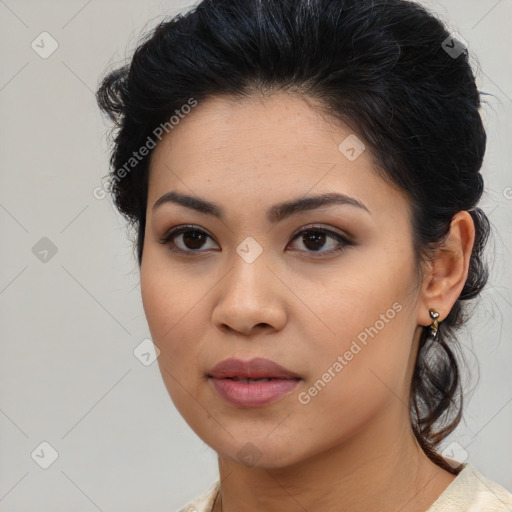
469	492
473	492
203	503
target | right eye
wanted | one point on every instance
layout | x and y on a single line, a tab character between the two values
192	239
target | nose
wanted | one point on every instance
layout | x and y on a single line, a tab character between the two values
251	298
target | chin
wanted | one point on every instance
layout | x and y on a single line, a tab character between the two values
258	452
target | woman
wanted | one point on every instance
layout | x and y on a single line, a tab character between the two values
303	178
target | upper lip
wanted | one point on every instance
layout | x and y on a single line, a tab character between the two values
257	368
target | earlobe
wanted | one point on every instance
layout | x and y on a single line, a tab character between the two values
448	270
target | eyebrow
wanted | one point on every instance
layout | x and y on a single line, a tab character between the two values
275	214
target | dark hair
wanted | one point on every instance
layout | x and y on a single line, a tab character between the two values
380	67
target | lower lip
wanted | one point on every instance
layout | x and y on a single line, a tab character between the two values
253	394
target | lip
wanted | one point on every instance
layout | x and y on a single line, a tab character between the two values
252	394
257	368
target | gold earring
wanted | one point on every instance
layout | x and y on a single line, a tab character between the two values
435	324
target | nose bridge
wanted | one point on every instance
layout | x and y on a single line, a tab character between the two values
249	250
248	295
248	270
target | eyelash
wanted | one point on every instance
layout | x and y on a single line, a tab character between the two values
172	233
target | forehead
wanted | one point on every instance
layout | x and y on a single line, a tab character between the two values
273	147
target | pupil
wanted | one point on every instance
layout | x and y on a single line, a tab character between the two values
193	237
317	237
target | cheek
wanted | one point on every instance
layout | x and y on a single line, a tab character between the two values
352	382
369	343
166	299
167	309
171	329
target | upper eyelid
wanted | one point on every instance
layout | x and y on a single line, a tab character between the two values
321	228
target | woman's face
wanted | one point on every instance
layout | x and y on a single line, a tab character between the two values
259	281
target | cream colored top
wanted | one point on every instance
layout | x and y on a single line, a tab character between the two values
469	492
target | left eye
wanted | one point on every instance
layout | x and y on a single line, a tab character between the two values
193	239
315	238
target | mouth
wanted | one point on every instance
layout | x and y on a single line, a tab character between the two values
253	383
254	369
264	379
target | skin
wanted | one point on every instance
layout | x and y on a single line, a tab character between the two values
351	443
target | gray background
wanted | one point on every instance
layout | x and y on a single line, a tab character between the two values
69	325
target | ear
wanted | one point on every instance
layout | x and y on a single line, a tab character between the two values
447	273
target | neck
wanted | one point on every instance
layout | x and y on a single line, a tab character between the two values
374	468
